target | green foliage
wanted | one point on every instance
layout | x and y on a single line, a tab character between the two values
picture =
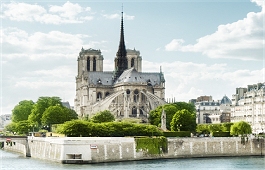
11	127
240	128
103	116
152	145
221	134
188	106
183	120
41	105
215	127
57	115
203	129
114	129
177	134
155	115
170	109
226	127
22	110
211	128
75	128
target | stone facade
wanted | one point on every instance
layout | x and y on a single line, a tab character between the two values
113	149
126	91
211	111
248	104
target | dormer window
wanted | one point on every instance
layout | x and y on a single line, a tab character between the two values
99	81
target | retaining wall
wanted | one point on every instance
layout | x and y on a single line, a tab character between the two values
110	149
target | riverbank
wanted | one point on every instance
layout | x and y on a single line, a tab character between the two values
85	150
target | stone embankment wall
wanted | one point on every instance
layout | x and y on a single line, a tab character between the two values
110	149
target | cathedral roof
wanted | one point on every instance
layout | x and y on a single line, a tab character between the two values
100	78
133	76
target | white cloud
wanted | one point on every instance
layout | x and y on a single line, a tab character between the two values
187	80
242	40
67	13
118	16
18	43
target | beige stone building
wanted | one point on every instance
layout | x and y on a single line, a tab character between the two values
126	91
248	104
210	111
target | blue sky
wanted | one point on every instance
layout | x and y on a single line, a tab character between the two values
204	47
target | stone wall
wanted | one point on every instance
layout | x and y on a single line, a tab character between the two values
111	149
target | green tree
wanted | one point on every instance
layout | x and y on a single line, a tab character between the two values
40	106
57	115
22	110
203	129
240	128
76	128
215	128
23	127
103	116
170	109
227	127
188	106
11	127
155	115
183	120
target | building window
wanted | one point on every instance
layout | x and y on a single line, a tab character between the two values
132	62
88	64
99	96
134	111
106	94
94	64
136	96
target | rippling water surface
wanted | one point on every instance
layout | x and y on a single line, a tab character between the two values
14	161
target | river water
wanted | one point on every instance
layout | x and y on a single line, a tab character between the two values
14	161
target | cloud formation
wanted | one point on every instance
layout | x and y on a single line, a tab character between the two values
67	13
118	16
242	40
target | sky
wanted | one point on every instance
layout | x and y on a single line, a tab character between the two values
204	47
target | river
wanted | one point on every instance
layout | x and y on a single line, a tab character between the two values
14	161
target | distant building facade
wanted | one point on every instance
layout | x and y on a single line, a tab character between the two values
248	104
5	120
210	111
126	91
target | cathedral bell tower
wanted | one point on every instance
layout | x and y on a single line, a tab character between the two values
121	62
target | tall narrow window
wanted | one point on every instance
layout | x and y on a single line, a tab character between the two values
88	64
132	62
94	64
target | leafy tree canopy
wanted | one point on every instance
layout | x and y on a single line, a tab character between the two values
41	105
170	109
183	120
114	129
103	116
240	128
155	115
22	110
57	114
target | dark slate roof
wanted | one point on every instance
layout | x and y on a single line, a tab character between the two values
98	77
226	100
132	76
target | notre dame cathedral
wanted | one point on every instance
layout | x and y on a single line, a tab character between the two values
126	91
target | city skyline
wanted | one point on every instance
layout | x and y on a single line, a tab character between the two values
203	47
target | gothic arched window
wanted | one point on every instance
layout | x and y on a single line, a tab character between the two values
88	64
94	64
136	96
99	96
132	62
134	111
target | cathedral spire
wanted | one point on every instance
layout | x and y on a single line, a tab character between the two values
121	62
